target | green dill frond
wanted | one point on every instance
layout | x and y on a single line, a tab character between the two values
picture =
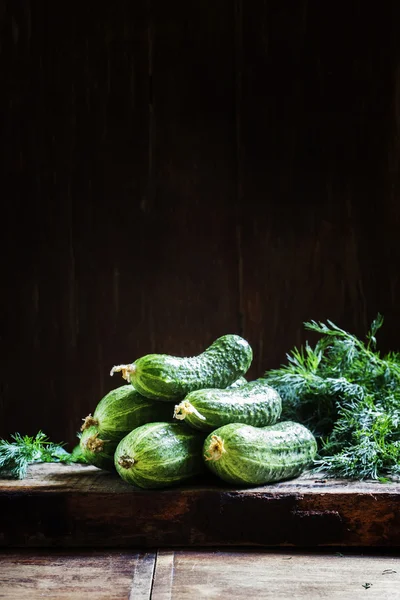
17	455
365	460
13	463
349	397
371	335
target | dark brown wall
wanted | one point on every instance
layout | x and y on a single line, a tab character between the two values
173	171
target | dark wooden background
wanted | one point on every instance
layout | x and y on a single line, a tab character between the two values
174	171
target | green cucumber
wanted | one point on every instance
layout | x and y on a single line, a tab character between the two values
247	455
255	403
77	455
170	378
120	411
159	455
238	383
97	451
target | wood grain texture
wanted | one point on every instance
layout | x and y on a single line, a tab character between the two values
77	163
62	575
316	123
172	172
191	263
164	575
181	574
143	576
236	575
83	506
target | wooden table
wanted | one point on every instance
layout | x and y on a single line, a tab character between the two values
198	573
80	506
77	532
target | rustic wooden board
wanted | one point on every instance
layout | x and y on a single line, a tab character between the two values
295	167
241	575
179	574
62	575
192	295
72	506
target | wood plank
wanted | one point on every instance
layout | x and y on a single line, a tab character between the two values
315	129
65	576
75	148
191	282
269	575
76	506
143	574
164	575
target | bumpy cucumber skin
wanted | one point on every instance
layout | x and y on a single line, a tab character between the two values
256	456
123	409
238	383
170	378
164	455
255	403
120	411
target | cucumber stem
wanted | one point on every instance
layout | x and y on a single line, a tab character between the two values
185	408
216	448
89	421
125	370
125	461
94	444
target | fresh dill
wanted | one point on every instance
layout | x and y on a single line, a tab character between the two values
349	396
18	454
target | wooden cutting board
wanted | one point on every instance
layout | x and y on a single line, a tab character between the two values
72	506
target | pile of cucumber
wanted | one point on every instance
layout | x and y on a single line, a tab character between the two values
179	417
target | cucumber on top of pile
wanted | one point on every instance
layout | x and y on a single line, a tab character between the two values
179	417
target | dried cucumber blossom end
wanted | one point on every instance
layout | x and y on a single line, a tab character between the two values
185	408
125	461
89	421
125	370
95	444
216	448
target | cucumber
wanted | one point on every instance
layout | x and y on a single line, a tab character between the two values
255	403
159	455
247	455
170	378
97	451
77	455
238	383
120	411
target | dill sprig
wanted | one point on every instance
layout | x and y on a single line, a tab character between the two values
18	454
349	396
